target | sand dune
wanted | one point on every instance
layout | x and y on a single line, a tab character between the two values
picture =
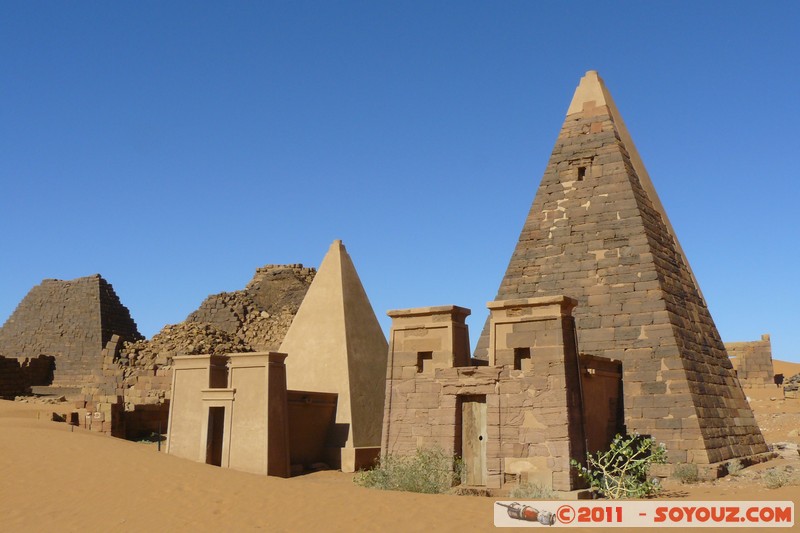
56	480
787	368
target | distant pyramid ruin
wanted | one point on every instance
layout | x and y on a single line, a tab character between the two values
255	318
70	320
261	313
598	233
335	344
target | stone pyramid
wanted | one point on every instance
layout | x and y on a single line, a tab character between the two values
71	320
597	232
335	344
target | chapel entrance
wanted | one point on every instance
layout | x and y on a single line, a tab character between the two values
473	439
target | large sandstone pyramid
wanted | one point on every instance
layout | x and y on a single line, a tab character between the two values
71	320
597	232
335	344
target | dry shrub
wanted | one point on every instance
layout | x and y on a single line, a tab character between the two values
686	473
532	491
735	467
429	471
775	478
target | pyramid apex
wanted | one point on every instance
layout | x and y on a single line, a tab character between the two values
337	244
590	89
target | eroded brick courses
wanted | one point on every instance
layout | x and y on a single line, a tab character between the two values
752	362
533	407
260	315
12	379
596	231
70	320
133	388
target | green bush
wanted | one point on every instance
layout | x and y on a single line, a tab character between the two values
686	473
621	472
429	470
532	491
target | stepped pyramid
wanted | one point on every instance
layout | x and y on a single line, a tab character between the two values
597	232
335	344
71	320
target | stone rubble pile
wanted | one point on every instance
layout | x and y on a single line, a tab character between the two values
187	338
792	384
254	319
259	315
131	392
71	320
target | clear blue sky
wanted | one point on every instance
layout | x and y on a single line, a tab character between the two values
174	147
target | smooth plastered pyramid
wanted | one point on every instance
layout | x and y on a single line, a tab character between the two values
335	344
597	232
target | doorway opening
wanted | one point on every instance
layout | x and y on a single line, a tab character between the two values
473	439
216	429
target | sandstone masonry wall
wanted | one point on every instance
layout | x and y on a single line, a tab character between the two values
534	415
752	362
70	320
596	232
12	380
17	375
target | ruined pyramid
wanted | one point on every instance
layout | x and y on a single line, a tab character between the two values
335	344
597	232
71	320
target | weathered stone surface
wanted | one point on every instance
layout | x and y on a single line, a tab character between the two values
137	376
17	375
597	217
531	413
186	338
70	320
260	315
752	362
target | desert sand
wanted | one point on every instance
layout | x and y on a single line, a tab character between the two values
56	478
